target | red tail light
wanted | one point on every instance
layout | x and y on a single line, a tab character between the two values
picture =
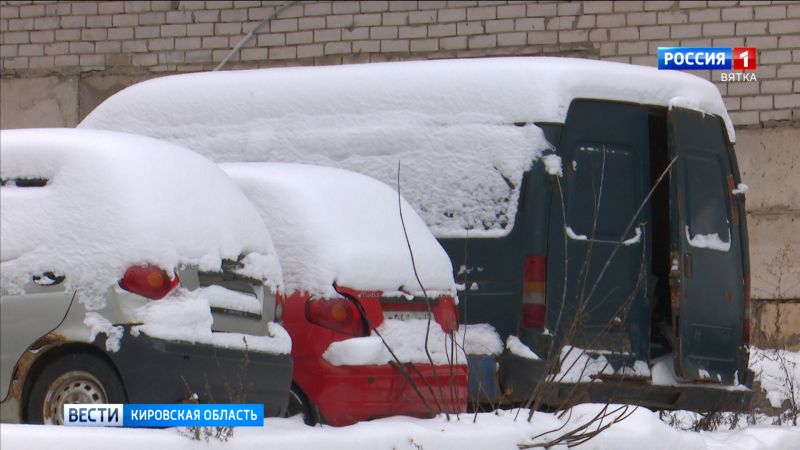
534	308
535	269
338	314
533	316
446	314
746	325
149	281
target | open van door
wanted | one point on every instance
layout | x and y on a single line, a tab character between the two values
596	286
707	273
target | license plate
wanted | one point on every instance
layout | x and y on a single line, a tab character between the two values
407	315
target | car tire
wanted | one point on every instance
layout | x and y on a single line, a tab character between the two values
299	404
72	378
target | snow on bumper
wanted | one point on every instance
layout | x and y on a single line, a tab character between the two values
405	338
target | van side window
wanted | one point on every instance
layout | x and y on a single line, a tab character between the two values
705	194
620	196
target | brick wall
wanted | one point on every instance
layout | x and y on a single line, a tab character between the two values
146	38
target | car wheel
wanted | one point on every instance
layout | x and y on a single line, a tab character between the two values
299	404
71	379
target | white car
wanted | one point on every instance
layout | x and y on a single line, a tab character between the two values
132	270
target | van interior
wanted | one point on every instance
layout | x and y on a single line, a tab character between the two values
661	327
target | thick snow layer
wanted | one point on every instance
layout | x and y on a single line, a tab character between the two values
479	339
332	225
448	122
552	164
579	366
574	236
644	429
663	374
635	239
778	371
406	338
663	371
778	374
639	369
516	347
583	366
741	188
186	316
711	241
219	297
490	431
690	420
99	324
115	200
358	351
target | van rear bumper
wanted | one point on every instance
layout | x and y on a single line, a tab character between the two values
519	377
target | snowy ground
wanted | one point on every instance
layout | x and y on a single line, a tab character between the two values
491	431
777	371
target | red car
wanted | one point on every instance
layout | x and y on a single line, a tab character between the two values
372	328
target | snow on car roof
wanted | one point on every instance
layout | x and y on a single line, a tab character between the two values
113	200
449	122
332	225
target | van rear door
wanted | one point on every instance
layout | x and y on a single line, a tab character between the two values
596	286
706	278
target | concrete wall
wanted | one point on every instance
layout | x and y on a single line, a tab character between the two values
49	101
60	59
769	160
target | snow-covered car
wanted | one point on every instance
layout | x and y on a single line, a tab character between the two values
132	270
372	326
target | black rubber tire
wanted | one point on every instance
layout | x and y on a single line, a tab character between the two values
84	365
299	404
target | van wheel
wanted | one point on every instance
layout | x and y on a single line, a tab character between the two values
71	379
299	404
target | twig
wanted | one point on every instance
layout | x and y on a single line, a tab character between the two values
424	292
580	434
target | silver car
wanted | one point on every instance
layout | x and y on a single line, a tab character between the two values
131	270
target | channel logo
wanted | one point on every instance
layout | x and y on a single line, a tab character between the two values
167	415
744	58
707	58
109	415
